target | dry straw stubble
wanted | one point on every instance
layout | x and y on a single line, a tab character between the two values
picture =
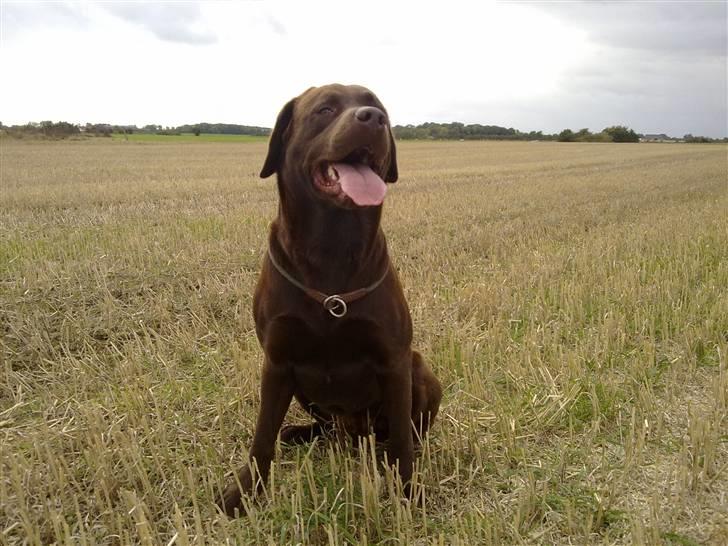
571	297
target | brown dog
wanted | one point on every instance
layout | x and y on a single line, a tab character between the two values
329	310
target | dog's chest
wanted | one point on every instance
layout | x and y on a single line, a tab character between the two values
336	369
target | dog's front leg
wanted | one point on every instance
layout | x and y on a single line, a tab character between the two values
398	407
276	392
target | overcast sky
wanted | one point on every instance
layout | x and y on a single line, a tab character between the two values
656	66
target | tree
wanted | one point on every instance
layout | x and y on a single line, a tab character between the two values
600	137
583	135
567	135
619	133
196	130
62	129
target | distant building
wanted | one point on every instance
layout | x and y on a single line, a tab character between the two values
662	137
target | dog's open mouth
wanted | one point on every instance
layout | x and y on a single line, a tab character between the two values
354	177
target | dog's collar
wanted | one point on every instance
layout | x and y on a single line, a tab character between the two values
336	304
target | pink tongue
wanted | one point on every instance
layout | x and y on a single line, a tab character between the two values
361	184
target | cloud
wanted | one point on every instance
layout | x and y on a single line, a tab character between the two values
665	98
171	22
665	28
657	66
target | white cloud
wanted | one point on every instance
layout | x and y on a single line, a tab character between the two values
173	22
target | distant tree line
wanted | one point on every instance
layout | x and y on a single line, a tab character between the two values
44	129
702	139
617	133
460	131
63	129
223	129
425	131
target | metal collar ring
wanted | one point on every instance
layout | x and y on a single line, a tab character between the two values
335	305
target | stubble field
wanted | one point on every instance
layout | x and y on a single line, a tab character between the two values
572	299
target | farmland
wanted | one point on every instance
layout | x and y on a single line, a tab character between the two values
571	297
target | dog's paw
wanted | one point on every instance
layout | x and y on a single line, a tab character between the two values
231	500
230	503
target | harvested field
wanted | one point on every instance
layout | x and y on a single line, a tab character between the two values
572	298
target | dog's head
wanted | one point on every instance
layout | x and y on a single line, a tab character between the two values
334	144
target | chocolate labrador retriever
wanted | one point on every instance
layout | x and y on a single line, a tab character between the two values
329	309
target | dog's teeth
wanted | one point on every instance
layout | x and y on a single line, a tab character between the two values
332	174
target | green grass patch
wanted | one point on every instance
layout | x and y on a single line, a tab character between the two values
187	137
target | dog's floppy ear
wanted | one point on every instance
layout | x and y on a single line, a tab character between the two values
392	173
277	143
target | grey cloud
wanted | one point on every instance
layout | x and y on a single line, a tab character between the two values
626	73
650	95
674	116
172	22
660	67
662	27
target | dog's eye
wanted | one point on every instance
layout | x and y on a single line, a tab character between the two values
325	110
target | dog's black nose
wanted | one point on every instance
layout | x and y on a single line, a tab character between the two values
371	116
